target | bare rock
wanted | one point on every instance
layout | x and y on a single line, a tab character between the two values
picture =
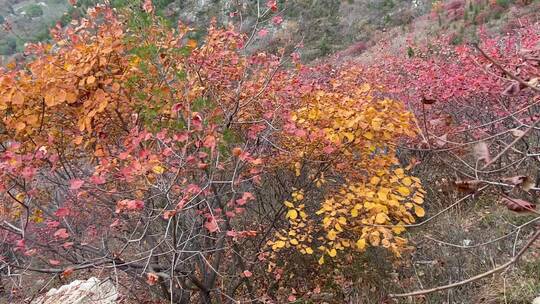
91	291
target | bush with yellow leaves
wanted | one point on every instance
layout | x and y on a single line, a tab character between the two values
355	194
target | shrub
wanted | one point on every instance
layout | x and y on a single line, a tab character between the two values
8	46
33	11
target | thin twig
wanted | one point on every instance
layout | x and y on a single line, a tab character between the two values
475	278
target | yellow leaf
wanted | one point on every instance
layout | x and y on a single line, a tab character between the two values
383	194
407	181
376	124
20	197
309	250
404	191
90	80
332	252
294	241
349	136
364	88
354	212
375	180
279	244
331	235
419	211
380	218
321	260
288	204
292	214
398	229
361	244
418	200
158	169
78	140
368	135
20	126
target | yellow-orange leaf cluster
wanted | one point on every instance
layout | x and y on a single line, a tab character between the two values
345	140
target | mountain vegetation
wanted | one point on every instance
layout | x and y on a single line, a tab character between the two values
272	151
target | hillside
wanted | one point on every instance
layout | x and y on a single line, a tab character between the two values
291	151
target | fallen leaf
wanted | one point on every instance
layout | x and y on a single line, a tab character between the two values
481	152
67	272
518	205
512	90
524	182
517	132
151	278
468	186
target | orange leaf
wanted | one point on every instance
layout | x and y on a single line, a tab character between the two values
90	80
192	43
17	99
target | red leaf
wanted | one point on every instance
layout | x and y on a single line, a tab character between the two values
168	214
277	20
272	4
67	245
151	278
210	142
518	205
75	184
67	272
328	149
129	205
441	140
148	7
247	273
54	262
135	204
62	212
53	224
61	233
262	33
211	224
97	179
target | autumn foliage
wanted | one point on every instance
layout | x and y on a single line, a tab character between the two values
127	145
209	173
